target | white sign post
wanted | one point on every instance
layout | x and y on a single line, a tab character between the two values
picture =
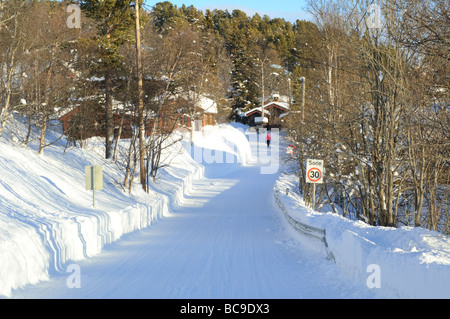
93	179
314	175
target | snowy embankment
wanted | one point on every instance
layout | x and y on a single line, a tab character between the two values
47	218
410	262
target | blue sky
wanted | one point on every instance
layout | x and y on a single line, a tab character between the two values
290	10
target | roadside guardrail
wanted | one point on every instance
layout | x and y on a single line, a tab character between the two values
304	229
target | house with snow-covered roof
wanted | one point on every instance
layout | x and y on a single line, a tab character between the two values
86	118
196	110
206	111
254	116
274	111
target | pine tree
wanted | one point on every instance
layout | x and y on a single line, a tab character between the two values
165	14
115	24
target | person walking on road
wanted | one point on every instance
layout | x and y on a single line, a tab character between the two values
268	138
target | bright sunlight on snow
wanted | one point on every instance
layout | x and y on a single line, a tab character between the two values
208	228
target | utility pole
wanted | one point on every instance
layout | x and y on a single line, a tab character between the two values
262	88
142	173
302	114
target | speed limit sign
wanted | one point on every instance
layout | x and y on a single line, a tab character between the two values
314	171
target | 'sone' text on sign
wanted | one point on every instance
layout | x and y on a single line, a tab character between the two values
314	171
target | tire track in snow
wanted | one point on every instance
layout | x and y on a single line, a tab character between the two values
227	240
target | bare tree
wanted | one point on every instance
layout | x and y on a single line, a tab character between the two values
12	48
362	119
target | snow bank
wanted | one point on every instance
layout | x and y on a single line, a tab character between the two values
412	262
47	219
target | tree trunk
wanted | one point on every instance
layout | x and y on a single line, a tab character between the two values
4	111
109	122
142	172
46	102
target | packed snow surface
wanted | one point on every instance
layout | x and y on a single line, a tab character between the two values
208	228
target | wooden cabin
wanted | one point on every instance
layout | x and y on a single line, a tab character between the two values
204	111
87	119
83	122
254	115
274	111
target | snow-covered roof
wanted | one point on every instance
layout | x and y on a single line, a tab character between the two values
276	96
118	106
279	104
255	109
207	105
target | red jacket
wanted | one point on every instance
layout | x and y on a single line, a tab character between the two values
268	138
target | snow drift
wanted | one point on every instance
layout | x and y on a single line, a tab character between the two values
47	218
413	262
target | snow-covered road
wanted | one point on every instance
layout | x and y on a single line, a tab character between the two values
210	228
227	239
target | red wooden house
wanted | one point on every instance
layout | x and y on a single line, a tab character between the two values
179	109
88	118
